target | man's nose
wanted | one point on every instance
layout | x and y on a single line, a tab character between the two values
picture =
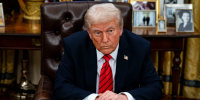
105	37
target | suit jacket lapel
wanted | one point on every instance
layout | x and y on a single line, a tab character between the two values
122	64
91	67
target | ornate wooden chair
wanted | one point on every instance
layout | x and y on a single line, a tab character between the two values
59	20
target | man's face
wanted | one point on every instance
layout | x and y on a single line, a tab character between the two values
105	36
186	17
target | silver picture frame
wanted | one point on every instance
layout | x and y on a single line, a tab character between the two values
171	1
169	12
144	18
162	27
184	20
163	2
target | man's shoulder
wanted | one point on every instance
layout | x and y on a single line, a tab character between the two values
77	35
135	43
77	39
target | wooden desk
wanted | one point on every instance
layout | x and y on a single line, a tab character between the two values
18	34
169	41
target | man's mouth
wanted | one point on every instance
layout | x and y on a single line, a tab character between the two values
105	47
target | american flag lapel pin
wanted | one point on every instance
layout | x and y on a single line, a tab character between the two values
125	57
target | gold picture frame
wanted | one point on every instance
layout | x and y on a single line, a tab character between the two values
162	25
157	8
2	21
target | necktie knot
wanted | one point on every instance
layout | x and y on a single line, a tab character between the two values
107	57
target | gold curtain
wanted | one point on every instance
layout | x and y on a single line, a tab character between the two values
191	87
167	63
191	82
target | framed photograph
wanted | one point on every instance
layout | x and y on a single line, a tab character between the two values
2	21
144	18
143	5
163	2
170	1
122	0
184	20
146	5
162	27
169	12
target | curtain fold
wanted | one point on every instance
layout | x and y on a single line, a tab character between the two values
166	75
191	82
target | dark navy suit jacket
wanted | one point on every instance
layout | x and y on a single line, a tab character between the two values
77	72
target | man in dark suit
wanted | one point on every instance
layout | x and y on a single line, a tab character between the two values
106	62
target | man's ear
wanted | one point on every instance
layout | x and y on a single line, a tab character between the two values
121	30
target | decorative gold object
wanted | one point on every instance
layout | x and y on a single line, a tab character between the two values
26	88
31	8
25	84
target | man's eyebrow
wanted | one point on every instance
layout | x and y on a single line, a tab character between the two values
110	27
96	29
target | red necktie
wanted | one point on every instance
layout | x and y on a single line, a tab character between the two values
106	78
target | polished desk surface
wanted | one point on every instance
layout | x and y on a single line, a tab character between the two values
171	32
19	34
18	26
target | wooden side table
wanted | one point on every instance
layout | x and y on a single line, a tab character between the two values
18	34
168	41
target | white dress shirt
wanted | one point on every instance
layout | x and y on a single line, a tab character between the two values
112	62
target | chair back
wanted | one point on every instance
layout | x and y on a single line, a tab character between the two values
60	19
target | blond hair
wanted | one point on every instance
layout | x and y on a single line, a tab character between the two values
101	13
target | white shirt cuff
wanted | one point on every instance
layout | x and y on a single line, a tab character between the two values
91	97
129	96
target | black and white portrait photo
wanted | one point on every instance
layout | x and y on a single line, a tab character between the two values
170	1
184	22
144	18
170	10
161	26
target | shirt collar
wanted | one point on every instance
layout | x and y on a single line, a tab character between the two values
113	54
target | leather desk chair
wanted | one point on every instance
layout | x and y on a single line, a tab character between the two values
59	20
